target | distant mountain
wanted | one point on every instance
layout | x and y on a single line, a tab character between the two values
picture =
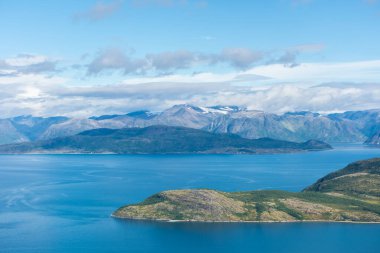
137	114
34	127
368	122
351	126
142	114
289	126
351	194
179	115
159	140
9	133
186	116
104	117
26	128
374	139
69	127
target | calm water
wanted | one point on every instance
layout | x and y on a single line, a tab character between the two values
62	203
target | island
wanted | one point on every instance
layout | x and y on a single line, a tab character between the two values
351	194
159	140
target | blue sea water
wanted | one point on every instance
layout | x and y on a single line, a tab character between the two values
62	203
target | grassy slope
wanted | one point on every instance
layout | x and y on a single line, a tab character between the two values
336	197
359	179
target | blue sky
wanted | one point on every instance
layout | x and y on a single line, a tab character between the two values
349	29
120	55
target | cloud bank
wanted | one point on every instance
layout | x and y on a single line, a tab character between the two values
115	59
31	84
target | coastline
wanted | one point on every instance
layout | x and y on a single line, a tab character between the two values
177	153
211	221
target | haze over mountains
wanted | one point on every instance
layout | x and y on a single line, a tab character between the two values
353	126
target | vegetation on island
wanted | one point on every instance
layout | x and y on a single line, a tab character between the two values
351	194
160	140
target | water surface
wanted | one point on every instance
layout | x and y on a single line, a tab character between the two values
62	203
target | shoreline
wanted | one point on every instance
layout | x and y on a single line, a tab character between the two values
211	221
178	153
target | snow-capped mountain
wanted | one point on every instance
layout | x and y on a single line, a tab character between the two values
293	126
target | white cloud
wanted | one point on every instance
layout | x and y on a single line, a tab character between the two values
27	63
181	59
86	101
317	73
289	56
322	87
240	57
25	60
115	59
100	10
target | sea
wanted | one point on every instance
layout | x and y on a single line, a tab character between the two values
63	203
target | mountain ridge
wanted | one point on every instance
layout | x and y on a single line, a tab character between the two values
351	126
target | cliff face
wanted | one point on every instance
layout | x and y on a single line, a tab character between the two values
374	139
351	194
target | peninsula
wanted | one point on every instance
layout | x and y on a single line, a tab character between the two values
351	194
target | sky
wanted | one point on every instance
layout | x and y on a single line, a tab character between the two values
89	57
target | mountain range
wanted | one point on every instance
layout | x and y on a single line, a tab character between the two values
374	139
352	126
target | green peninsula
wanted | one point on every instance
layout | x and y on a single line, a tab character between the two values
160	140
351	194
